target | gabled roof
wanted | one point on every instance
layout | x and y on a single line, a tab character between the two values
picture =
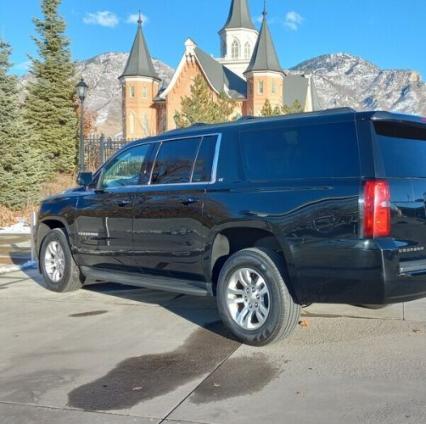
140	63
265	56
239	16
299	87
220	77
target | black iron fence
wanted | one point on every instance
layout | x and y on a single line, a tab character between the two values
97	149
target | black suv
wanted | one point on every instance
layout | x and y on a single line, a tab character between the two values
266	214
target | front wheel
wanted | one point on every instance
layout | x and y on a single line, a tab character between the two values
61	273
253	299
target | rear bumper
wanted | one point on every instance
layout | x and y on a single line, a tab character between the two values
402	281
358	272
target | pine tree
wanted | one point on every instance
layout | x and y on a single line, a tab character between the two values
22	168
50	105
296	107
268	110
202	106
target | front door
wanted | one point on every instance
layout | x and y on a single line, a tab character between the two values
105	215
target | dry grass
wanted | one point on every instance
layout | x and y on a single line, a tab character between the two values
56	185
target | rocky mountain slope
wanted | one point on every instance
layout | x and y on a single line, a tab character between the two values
345	80
101	74
340	80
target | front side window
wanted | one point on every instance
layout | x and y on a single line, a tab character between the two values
315	151
130	168
144	92
261	87
132	91
175	161
274	87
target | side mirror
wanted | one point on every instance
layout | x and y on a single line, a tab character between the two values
84	179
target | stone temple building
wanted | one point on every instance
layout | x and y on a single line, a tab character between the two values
249	72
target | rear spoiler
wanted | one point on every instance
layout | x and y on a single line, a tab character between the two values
399	125
398	118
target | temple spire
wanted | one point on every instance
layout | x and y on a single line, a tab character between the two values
265	56
239	16
140	63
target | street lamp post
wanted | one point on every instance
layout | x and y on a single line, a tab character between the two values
82	88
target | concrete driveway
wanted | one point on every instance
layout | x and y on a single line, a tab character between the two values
112	354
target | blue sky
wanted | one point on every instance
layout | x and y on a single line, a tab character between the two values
390	33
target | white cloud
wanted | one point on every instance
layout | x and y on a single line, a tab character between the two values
293	20
103	18
133	19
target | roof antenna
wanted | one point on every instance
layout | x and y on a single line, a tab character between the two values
140	21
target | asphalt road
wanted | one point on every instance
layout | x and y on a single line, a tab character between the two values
112	354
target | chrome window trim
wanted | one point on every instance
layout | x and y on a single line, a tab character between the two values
213	178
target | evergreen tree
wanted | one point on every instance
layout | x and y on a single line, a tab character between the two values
202	106
268	110
21	167
296	107
50	105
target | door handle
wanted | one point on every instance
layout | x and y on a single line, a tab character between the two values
123	203
190	201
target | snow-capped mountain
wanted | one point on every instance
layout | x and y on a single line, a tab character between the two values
340	80
345	80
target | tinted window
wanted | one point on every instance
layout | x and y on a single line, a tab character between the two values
175	161
313	151
204	163
403	149
128	168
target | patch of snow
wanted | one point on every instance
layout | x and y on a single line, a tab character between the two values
12	268
19	228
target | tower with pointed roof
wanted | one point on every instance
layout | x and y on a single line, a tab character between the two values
238	37
140	84
264	75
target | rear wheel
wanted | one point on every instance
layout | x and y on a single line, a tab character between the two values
61	273
253	299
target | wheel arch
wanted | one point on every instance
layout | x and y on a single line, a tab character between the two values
233	237
46	225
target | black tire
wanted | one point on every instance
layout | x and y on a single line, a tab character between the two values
72	278
284	312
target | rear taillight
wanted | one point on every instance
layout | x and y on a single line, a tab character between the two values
377	214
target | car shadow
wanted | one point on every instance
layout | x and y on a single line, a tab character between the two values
201	311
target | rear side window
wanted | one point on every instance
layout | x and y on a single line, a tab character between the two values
402	149
175	161
204	164
301	152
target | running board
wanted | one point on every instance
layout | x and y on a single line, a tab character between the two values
155	282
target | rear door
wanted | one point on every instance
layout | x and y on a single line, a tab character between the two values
169	231
401	159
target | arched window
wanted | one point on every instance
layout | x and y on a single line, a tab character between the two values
132	91
144	92
260	87
145	123
247	50
132	123
235	49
